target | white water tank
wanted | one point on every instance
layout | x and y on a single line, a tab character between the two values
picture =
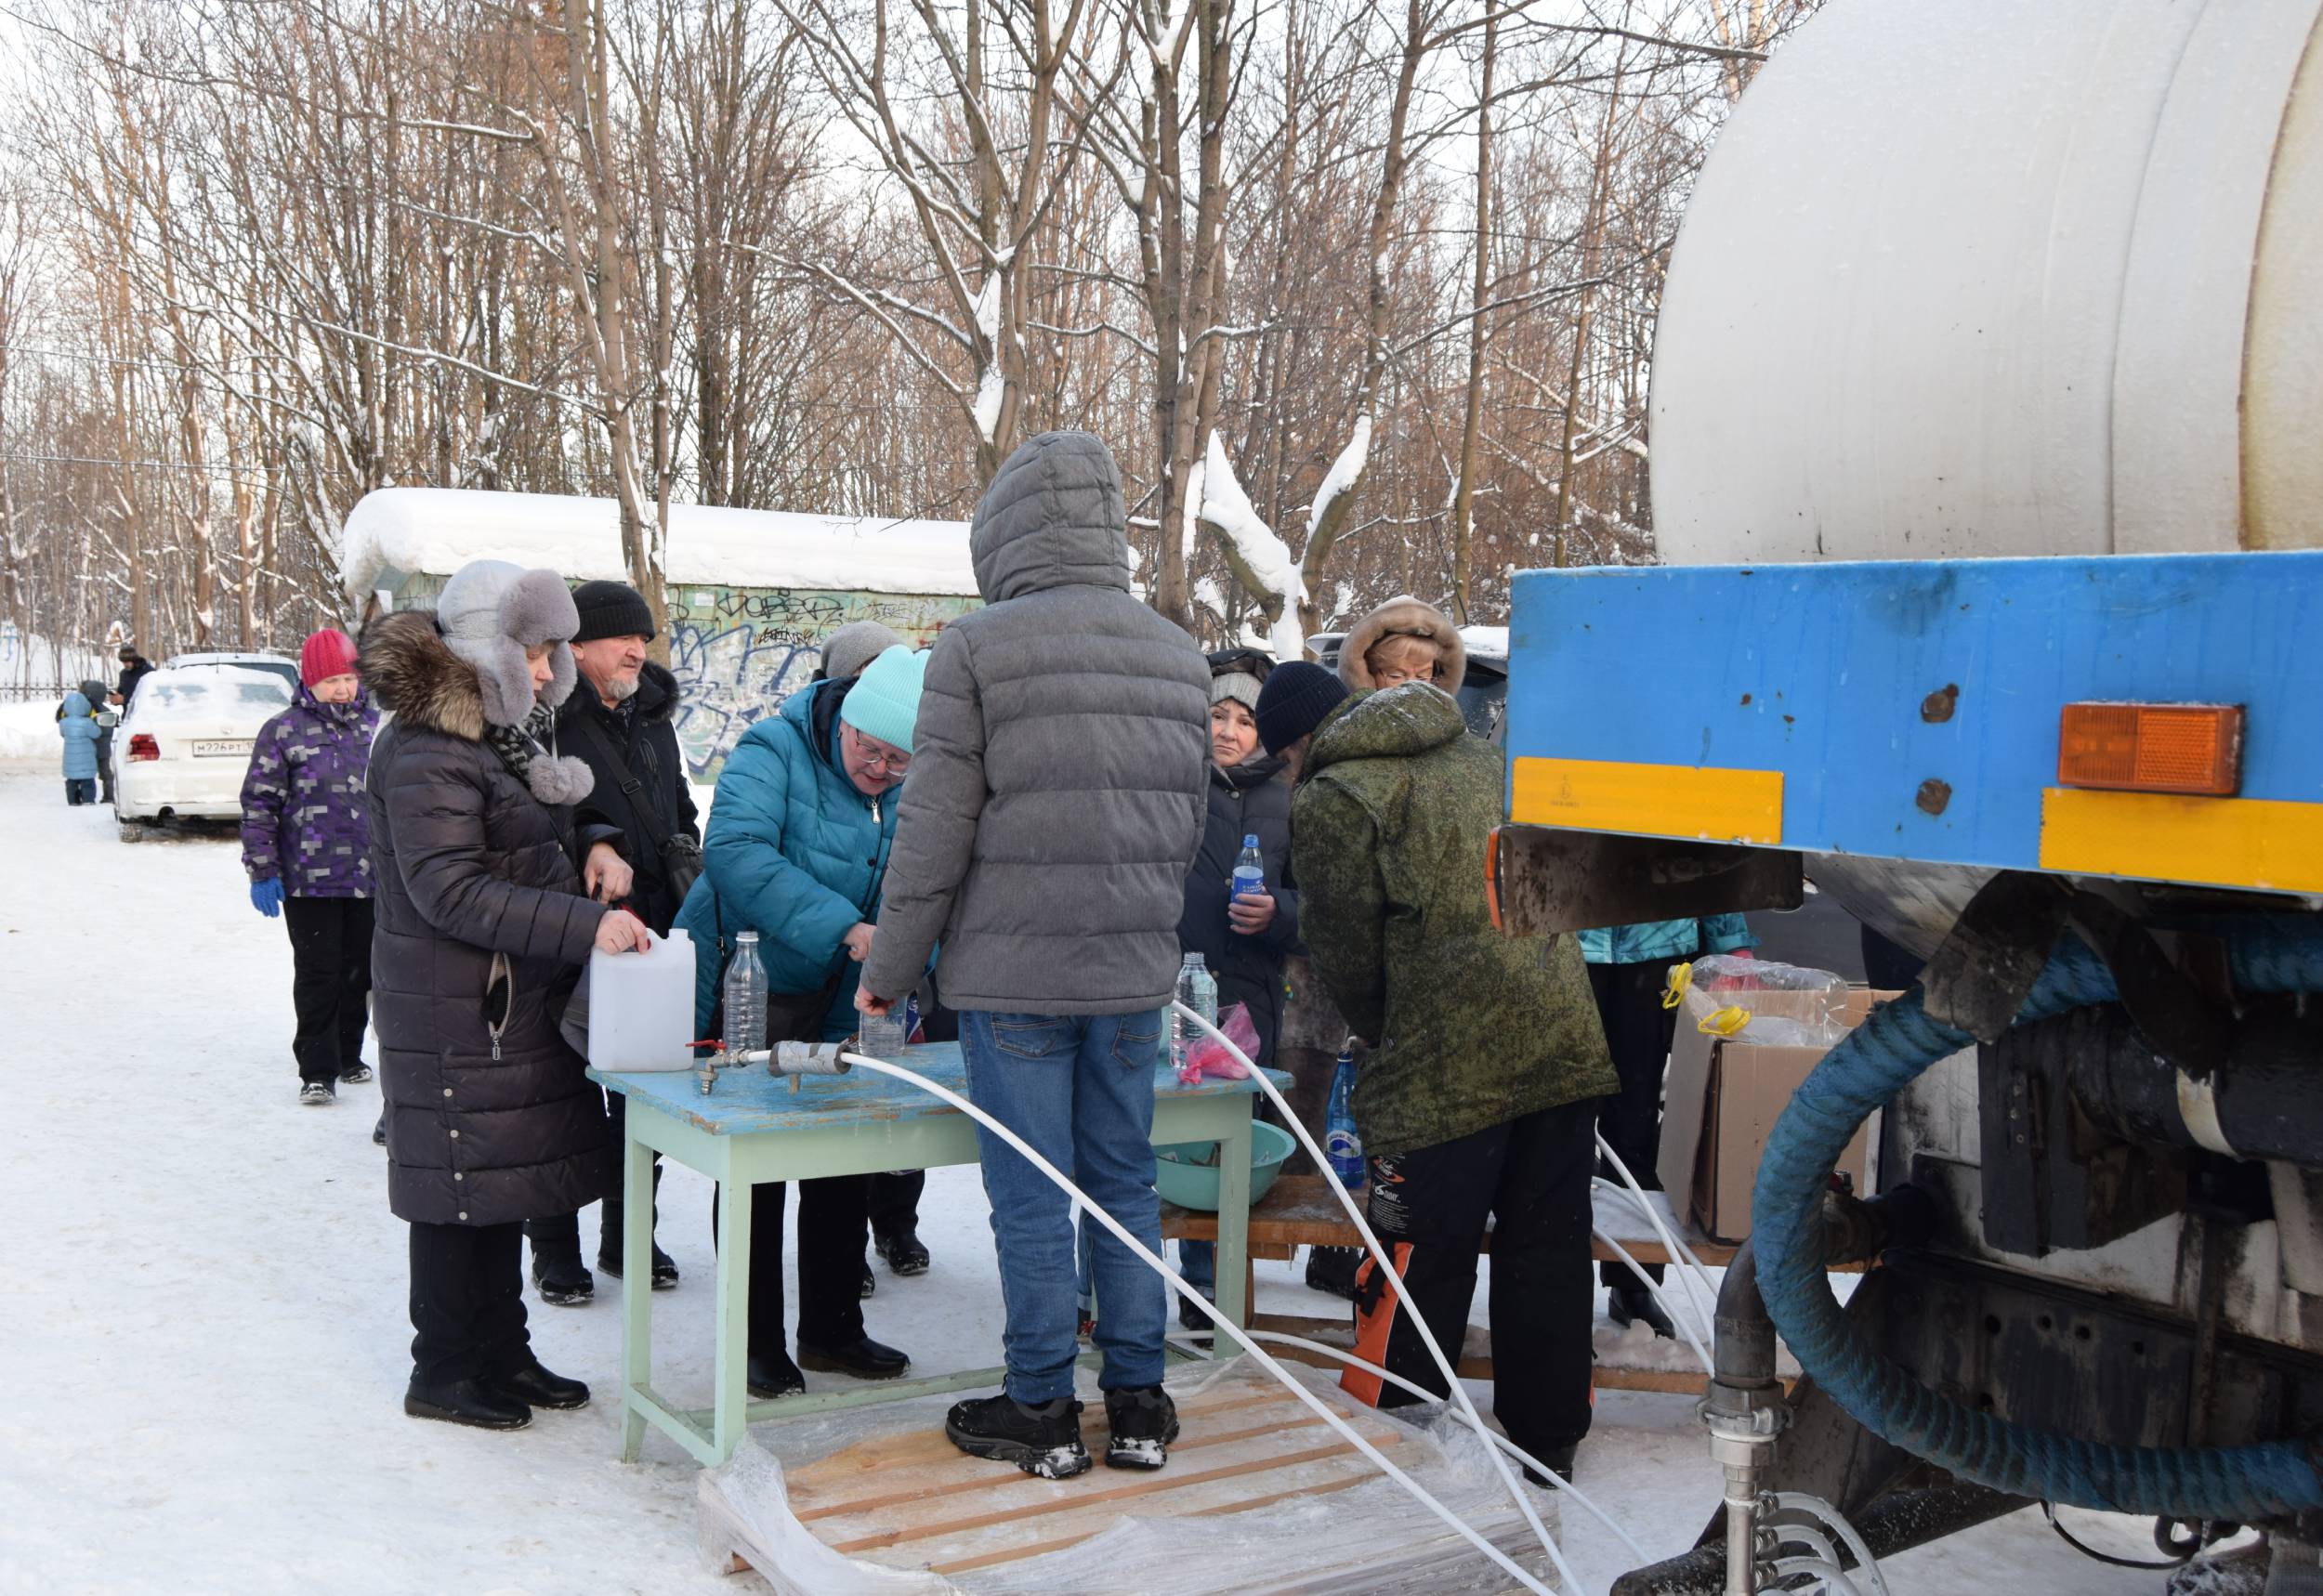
2003	277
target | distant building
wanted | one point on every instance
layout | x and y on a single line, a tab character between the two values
752	592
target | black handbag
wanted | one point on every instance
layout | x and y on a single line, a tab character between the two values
679	856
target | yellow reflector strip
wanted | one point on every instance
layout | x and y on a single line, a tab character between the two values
2150	836
1657	800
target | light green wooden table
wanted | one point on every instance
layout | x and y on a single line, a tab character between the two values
756	1128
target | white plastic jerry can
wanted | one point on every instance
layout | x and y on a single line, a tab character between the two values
641	1006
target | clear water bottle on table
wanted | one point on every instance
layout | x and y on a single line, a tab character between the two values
1198	989
744	990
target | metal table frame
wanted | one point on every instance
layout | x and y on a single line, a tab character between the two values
754	1129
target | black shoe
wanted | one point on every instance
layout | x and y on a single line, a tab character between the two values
664	1267
1193	1318
870	1282
1635	1305
354	1075
316	1094
862	1357
535	1386
901	1250
1333	1269
1044	1441
1144	1423
771	1375
466	1402
379	1130
563	1282
1559	1458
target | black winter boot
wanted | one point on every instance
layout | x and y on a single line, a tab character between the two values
1144	1423
1043	1440
1333	1269
563	1282
1634	1304
767	1376
467	1402
901	1249
535	1387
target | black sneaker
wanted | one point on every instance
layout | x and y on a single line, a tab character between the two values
316	1094
1634	1304
901	1250
1043	1440
354	1075
563	1282
1144	1423
1333	1269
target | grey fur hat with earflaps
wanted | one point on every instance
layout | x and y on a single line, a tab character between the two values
490	612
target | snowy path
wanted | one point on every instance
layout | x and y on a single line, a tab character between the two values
203	1343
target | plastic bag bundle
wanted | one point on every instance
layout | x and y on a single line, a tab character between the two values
1717	995
1208	1056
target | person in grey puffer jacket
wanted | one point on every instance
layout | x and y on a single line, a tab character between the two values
484	917
306	845
1058	788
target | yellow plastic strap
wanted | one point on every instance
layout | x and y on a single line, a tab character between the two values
1681	977
1723	1022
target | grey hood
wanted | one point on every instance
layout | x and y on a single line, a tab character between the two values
1054	516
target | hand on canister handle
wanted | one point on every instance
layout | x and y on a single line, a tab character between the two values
620	932
265	897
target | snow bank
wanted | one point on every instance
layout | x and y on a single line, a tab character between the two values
28	733
435	531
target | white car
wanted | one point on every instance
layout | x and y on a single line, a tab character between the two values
282	665
184	746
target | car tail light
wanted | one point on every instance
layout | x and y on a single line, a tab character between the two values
142	746
2192	749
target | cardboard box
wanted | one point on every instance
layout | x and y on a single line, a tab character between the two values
1722	1098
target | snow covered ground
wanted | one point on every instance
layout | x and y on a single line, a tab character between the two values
203	1343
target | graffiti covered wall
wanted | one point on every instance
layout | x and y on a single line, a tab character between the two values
738	652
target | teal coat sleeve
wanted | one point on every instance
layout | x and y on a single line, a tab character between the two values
756	884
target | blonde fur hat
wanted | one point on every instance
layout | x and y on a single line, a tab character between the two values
1403	616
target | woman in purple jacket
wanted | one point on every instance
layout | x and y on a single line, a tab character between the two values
306	841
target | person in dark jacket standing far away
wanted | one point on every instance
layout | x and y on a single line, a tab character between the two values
799	841
482	923
306	845
1057	796
618	723
135	668
1479	1097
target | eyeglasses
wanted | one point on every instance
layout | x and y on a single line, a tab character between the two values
878	757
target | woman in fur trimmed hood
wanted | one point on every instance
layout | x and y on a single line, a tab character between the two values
1403	640
483	918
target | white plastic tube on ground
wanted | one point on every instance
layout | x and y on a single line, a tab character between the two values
1693	1313
1676	1247
1379	1254
1169	1276
1684	1324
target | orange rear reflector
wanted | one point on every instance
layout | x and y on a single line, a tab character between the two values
2191	749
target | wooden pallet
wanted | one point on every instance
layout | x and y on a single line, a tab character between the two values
914	1501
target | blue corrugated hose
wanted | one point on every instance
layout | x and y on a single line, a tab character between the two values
1864	1072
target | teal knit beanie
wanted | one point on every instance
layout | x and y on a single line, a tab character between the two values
885	701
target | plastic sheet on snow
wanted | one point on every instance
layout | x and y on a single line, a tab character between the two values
1371	1536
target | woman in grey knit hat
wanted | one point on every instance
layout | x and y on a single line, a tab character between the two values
488	905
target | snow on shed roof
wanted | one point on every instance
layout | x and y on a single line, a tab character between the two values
434	531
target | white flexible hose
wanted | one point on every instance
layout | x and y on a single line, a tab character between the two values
1834	1578
1418	1320
1691	1267
1684	1325
1503	1442
1799	1535
1816	1507
1321	1409
1676	1249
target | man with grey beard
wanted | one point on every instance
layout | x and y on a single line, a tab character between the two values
619	720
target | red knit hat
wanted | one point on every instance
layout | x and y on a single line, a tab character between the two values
328	653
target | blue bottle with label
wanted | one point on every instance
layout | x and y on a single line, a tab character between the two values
1341	1144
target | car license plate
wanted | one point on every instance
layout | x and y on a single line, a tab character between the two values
221	750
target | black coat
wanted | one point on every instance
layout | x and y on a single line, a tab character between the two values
641	732
1249	799
480	920
131	674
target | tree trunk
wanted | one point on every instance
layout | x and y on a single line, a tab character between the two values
1464	498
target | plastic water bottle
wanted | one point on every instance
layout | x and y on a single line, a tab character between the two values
1198	989
1344	1147
1250	871
745	993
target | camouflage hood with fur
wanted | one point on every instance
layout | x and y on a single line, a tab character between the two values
1471	1028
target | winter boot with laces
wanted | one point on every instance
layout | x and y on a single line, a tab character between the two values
1043	1440
1144	1422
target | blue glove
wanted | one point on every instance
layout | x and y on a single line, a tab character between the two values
265	897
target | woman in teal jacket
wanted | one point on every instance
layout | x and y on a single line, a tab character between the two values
1629	965
797	849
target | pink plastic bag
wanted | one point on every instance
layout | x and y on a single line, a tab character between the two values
1207	1055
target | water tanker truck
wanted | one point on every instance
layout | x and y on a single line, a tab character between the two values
1987	458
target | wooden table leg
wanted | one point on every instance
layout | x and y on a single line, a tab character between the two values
636	1292
730	1395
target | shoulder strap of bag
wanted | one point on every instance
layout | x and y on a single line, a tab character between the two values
632	789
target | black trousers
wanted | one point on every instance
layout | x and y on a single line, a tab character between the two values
1637	1030
830	1220
893	1202
1429	1206
468	1302
330	940
558	1238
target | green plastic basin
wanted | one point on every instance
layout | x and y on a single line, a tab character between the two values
1181	1179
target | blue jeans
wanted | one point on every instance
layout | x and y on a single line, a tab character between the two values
1197	1261
1079	1089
